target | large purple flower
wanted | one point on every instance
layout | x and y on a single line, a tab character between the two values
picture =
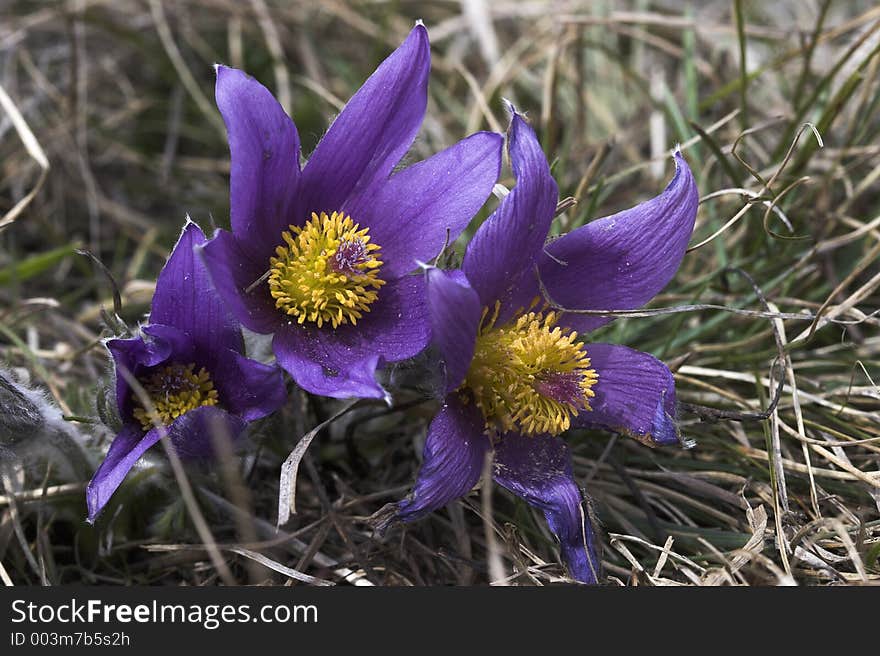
518	375
189	361
319	257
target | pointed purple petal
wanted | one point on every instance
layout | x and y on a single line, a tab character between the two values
635	395
622	261
538	469
247	388
452	462
125	450
186	299
192	435
342	363
232	273
506	246
264	150
455	312
373	132
426	205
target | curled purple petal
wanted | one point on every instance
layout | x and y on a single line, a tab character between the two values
635	395
264	151
424	206
129	354
179	343
125	450
452	462
133	355
186	300
538	469
322	368
622	261
249	389
195	433
455	312
372	132
506	246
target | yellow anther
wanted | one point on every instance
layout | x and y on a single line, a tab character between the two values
174	390
529	375
328	272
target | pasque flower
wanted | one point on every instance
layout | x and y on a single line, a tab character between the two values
189	361
319	257
518	373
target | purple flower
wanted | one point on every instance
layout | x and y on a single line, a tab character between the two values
319	257
189	360
517	373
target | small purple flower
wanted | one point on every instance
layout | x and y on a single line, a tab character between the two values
319	257
517	373
189	360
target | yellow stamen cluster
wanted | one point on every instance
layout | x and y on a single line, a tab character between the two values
328	272
174	390
529	375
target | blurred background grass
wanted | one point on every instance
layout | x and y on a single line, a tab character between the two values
109	137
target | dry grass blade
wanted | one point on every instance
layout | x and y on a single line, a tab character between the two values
290	468
186	77
267	531
273	43
278	567
497	575
32	145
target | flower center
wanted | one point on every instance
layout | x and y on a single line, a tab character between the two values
529	375
174	390
327	273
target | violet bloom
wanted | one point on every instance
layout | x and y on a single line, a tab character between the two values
319	257
189	360
517	373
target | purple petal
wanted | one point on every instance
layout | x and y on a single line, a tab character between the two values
424	206
538	469
455	319
320	367
186	300
128	354
247	388
374	130
125	450
264	150
452	462
195	433
622	261
233	273
342	363
506	246
635	395
179	343
397	327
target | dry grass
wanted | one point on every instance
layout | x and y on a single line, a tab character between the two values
109	136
